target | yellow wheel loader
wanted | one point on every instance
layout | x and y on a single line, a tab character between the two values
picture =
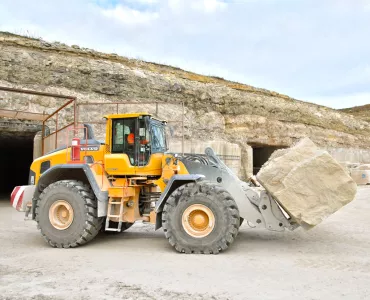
82	189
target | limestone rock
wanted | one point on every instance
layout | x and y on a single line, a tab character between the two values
307	182
214	108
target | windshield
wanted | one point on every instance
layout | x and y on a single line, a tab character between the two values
158	136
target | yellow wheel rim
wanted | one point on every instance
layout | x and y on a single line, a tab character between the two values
198	220
61	214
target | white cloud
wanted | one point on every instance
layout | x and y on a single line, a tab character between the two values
176	5
203	6
365	4
208	6
129	16
145	1
310	52
149	3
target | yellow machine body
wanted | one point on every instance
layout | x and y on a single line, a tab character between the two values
116	172
197	199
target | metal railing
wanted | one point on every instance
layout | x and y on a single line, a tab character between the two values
28	115
50	139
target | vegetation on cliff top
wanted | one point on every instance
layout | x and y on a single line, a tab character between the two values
362	112
33	42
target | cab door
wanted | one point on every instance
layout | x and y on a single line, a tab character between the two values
122	158
149	157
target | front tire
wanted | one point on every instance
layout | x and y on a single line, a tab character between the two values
66	214
200	217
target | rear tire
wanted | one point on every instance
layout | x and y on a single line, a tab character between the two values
57	226
200	218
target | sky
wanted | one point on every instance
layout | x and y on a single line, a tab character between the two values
312	50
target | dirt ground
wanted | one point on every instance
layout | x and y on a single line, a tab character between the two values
332	261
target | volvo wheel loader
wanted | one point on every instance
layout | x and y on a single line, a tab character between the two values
76	192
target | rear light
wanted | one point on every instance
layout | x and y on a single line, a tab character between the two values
75	153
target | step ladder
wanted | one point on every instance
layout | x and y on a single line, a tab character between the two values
112	203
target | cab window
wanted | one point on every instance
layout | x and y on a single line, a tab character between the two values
158	138
123	134
144	152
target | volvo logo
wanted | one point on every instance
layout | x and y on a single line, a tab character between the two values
90	148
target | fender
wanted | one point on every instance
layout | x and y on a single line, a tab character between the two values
80	172
175	182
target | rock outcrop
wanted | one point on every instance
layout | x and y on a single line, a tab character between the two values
215	109
361	112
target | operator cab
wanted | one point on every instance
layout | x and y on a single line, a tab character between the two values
138	136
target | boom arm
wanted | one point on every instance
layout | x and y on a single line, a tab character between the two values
255	204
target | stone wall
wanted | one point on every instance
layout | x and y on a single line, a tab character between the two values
350	155
215	109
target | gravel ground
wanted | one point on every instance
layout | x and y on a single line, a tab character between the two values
332	261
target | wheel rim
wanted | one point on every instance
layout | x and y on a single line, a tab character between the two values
61	215
198	220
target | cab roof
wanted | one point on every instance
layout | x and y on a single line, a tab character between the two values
131	115
128	115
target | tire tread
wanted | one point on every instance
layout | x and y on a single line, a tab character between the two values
92	224
228	205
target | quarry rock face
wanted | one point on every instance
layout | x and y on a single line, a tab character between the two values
361	174
215	109
290	174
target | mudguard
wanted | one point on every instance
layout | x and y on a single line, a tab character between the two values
80	172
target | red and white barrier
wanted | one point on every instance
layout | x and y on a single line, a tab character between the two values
16	198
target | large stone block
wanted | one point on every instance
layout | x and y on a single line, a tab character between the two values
307	182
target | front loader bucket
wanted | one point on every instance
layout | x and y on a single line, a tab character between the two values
307	182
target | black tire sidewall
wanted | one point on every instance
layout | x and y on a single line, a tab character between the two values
75	230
